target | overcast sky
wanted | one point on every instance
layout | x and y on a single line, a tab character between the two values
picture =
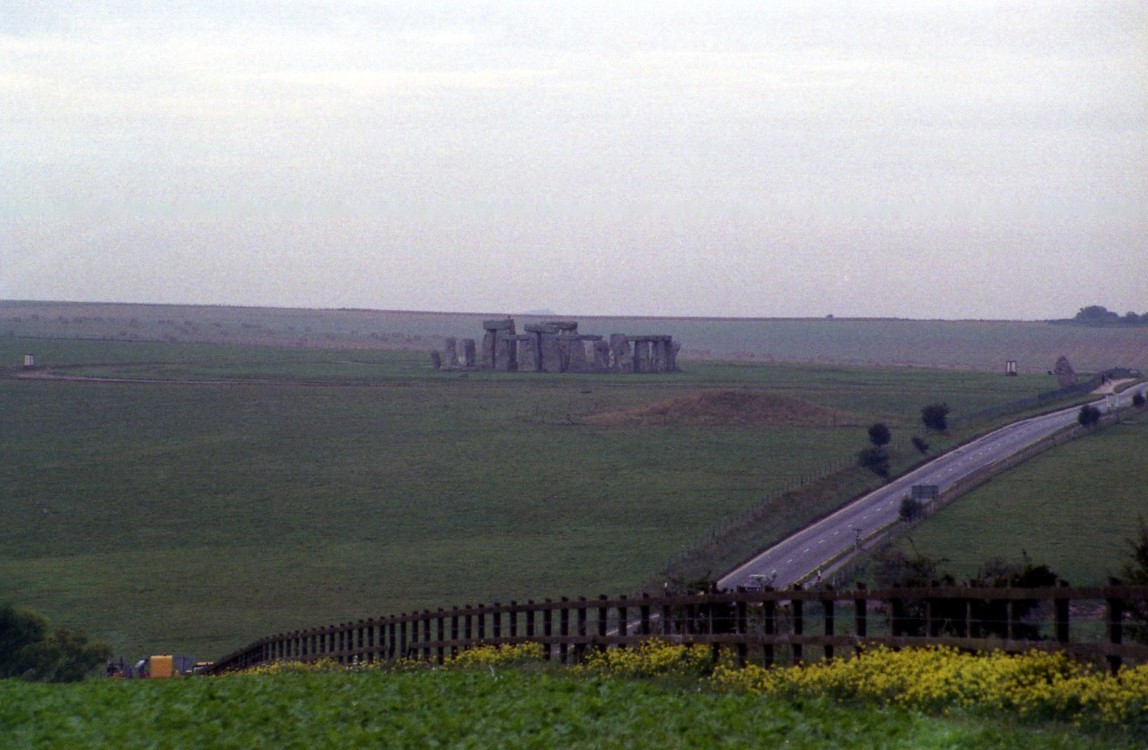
914	159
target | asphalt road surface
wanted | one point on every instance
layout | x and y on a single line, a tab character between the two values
826	545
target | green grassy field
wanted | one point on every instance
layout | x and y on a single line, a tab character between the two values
321	485
506	708
1072	507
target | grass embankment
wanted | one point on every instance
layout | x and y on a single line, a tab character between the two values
1071	507
656	696
196	517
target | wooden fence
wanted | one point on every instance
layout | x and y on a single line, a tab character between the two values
768	626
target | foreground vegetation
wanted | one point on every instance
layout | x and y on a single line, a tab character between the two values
657	696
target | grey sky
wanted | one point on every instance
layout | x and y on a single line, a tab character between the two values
914	159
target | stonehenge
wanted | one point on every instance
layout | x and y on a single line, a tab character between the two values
556	346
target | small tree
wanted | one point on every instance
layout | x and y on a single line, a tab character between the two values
935	416
911	509
875	459
920	444
879	434
1089	415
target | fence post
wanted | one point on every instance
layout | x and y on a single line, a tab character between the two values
547	628
740	626
453	632
798	607
860	615
481	622
440	651
496	621
580	647
403	636
426	618
622	619
529	619
513	620
1060	608
564	631
468	626
644	615
1115	630
769	630
603	617
827	607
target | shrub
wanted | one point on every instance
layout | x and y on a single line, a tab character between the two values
879	434
1035	684
31	649
1089	415
920	444
875	459
911	509
935	416
652	658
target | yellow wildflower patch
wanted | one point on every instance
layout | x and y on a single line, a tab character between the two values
1047	685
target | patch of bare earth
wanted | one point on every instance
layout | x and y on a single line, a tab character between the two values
723	408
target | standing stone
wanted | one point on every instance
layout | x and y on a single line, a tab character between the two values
493	328
527	352
450	352
468	353
642	355
661	354
601	355
489	346
1064	373
506	352
550	354
620	357
436	360
575	354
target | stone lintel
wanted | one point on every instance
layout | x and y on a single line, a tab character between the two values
503	324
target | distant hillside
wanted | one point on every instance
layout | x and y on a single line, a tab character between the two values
966	344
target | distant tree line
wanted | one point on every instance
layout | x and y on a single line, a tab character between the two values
1098	315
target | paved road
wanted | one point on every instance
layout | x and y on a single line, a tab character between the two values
828	543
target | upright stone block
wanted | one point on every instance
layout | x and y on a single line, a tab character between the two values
621	359
468	353
1065	375
574	354
550	355
642	360
489	346
601	355
506	352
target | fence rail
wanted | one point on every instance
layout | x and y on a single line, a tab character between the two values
793	625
